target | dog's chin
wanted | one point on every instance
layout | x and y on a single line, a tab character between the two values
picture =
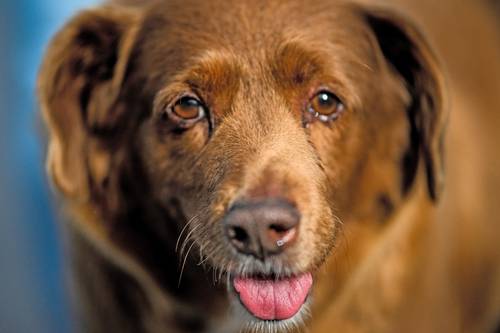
260	320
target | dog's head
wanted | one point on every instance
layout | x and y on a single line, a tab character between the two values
248	131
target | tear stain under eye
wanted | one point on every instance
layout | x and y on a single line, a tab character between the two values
311	115
307	118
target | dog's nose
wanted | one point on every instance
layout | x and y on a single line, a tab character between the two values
262	228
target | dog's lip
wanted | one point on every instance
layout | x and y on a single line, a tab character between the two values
271	298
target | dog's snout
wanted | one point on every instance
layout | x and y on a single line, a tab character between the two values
262	228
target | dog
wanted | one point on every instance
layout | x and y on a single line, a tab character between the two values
272	166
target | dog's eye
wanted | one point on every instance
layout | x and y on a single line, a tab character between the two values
184	112
188	108
325	106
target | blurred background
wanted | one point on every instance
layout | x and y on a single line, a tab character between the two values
33	297
32	294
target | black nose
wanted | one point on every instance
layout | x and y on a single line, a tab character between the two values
261	228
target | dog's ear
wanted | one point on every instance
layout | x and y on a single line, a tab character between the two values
79	83
407	51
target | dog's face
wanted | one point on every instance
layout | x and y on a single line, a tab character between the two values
263	128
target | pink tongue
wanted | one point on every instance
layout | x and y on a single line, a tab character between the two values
274	300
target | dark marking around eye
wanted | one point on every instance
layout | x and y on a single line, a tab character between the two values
164	116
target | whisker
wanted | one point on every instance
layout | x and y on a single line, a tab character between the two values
203	256
188	237
184	229
184	263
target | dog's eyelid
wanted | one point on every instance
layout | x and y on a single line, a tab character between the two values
325	106
181	110
189	108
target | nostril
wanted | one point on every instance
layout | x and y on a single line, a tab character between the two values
278	228
238	234
261	228
280	234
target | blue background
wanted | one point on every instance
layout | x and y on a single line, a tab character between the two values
33	297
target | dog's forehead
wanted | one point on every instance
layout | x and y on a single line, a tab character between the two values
177	35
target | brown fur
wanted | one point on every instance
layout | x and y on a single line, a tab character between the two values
398	238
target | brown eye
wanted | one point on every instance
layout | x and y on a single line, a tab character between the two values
325	106
188	108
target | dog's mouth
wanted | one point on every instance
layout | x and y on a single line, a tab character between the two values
268	298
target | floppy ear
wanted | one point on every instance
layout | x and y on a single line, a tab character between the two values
408	53
78	86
